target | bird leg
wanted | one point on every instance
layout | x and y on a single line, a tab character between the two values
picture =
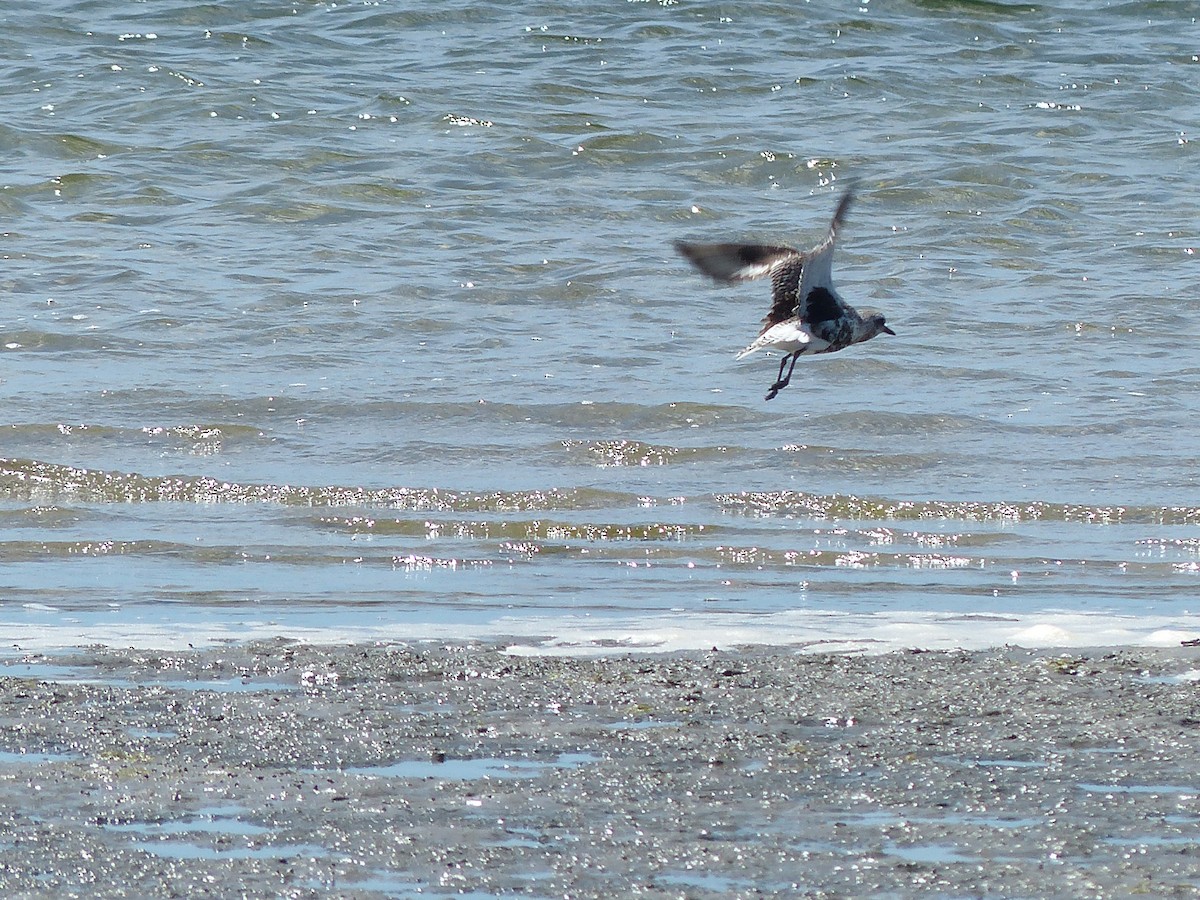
780	381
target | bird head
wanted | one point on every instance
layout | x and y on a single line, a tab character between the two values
877	324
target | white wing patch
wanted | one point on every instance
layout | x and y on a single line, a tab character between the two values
756	270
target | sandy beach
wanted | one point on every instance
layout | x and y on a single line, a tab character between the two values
277	769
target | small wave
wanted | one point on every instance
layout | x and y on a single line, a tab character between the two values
614	453
846	506
199	439
524	529
36	481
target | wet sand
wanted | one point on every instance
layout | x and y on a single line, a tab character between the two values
285	770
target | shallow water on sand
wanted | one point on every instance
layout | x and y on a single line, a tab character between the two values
362	319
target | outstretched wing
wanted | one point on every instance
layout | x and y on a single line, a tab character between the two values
743	262
735	262
801	283
817	300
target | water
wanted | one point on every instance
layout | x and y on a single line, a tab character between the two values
471	769
361	320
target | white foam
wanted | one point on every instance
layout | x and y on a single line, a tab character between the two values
804	629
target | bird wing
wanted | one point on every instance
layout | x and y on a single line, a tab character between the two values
735	262
801	283
744	262
816	300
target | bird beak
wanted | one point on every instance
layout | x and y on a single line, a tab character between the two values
887	330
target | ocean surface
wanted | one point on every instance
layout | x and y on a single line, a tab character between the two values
353	321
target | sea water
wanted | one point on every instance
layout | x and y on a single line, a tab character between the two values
362	321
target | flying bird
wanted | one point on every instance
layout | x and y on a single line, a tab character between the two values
807	314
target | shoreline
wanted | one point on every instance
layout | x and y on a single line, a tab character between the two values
43	629
368	770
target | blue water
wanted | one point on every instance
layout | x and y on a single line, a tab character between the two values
363	319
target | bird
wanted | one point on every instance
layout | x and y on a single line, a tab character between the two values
807	314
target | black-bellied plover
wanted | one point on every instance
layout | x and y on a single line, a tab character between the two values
807	315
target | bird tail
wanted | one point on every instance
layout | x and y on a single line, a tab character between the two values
753	347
